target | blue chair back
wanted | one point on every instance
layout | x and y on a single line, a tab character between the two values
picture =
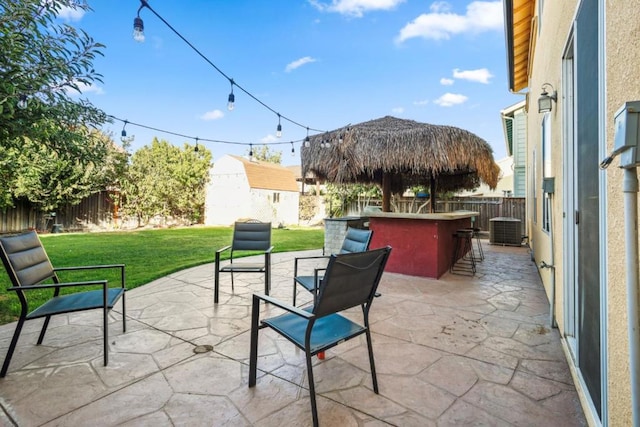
350	280
251	236
356	240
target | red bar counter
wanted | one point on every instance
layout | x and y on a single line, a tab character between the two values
422	243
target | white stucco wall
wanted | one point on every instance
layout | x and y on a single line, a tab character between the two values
228	194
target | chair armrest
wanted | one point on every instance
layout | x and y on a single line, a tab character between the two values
57	285
291	309
268	251
223	249
96	267
89	267
303	258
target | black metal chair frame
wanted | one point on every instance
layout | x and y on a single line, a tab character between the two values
248	236
351	280
29	267
356	240
463	259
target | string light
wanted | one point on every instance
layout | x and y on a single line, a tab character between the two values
138	25
232	97
139	36
123	134
250	151
196	149
279	128
307	143
293	150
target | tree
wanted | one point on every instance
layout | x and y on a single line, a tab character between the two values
48	179
166	181
42	60
264	154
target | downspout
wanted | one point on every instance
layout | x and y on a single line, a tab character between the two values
630	190
552	267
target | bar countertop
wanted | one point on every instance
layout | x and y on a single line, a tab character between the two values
432	216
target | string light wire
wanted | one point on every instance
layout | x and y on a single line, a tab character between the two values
145	4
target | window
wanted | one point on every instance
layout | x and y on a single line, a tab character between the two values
276	197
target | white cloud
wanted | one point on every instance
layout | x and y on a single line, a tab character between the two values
421	103
212	115
299	63
446	82
269	138
481	75
441	24
397	110
451	99
354	8
71	13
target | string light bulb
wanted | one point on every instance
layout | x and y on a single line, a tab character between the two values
196	149
307	142
138	29
232	98
293	150
138	25
123	134
279	128
250	151
22	102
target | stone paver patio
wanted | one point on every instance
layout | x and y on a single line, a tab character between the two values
450	352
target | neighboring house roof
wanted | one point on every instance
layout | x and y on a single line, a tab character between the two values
520	24
268	176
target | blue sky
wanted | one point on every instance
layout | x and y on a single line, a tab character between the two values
323	64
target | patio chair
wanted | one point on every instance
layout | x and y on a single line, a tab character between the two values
29	269
248	236
351	280
356	240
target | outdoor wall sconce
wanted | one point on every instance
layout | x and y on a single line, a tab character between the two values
544	102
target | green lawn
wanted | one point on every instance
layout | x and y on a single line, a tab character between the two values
148	255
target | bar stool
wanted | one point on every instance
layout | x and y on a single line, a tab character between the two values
463	261
476	234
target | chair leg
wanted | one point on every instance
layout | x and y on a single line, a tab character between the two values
294	292
12	347
312	390
105	326
253	351
44	329
216	279
267	273
372	362
232	288
124	317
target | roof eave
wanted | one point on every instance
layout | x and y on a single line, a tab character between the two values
518	16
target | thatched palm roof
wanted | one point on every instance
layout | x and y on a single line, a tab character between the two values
407	152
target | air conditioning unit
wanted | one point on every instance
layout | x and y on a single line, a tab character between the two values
505	231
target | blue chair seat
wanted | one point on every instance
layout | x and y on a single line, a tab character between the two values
327	331
76	302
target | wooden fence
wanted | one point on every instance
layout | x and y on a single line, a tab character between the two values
94	212
488	207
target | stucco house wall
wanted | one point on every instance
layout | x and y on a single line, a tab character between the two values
552	26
